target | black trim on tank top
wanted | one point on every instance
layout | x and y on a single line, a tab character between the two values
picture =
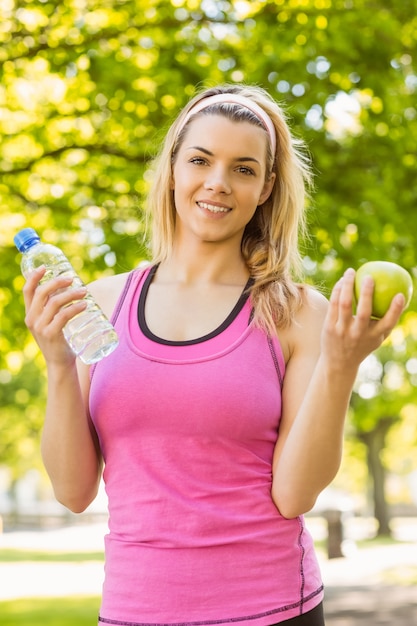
149	334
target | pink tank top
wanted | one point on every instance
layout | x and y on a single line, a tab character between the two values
187	431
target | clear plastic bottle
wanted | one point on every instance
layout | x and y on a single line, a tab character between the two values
90	334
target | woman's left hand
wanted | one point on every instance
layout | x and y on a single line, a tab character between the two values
349	337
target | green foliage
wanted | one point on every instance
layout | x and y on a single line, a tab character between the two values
88	90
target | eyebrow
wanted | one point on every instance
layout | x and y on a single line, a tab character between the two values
239	159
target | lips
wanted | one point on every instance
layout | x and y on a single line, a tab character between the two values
213	208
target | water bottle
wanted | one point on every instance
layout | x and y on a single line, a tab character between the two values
89	334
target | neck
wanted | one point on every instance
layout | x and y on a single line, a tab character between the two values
207	265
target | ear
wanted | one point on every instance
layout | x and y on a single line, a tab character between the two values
267	189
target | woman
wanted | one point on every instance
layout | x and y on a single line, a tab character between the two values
219	418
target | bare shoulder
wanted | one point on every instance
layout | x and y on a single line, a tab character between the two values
106	291
310	316
315	304
305	328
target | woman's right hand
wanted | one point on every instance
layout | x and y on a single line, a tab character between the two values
49	306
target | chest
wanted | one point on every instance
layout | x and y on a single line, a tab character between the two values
186	312
226	386
233	394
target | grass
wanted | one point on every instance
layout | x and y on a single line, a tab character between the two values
79	611
369	542
9	555
404	575
375	542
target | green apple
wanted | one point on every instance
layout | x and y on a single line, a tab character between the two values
389	279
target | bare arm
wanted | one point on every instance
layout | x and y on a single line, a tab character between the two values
69	444
328	346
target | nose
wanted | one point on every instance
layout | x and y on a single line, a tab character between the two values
217	180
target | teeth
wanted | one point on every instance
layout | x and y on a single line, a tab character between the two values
212	208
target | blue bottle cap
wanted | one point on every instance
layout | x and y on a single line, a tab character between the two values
25	239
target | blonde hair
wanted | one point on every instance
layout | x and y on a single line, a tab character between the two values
270	243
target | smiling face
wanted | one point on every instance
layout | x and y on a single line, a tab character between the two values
219	178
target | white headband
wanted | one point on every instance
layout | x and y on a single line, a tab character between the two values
231	98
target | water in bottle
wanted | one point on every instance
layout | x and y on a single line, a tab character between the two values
90	334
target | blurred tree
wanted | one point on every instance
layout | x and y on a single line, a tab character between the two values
88	88
384	390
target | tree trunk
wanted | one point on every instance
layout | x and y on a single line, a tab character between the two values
375	443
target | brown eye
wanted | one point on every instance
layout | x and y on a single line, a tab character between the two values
248	171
